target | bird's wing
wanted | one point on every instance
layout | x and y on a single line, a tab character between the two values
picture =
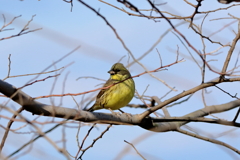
98	99
108	83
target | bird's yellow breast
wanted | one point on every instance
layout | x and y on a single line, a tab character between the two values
120	94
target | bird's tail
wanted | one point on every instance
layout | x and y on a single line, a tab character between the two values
90	109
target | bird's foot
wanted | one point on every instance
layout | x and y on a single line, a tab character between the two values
121	110
114	113
129	115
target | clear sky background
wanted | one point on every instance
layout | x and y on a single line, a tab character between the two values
62	31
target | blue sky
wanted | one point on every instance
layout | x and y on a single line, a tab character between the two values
63	30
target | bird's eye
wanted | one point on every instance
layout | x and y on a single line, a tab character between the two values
117	70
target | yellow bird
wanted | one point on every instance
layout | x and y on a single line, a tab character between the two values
119	95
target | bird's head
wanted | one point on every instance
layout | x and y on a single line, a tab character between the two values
119	72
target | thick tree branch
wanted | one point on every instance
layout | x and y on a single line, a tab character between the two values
95	117
188	92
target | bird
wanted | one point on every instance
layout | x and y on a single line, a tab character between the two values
118	95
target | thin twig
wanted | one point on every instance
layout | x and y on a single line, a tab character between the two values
135	149
34	73
209	140
71	94
8	128
40	135
95	140
84	139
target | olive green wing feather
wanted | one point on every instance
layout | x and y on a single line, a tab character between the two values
108	83
98	99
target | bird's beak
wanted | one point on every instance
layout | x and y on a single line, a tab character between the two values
111	72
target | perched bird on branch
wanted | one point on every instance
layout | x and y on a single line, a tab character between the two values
119	94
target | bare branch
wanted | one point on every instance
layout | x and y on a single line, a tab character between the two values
8	128
95	140
135	149
235	40
25	29
209	140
